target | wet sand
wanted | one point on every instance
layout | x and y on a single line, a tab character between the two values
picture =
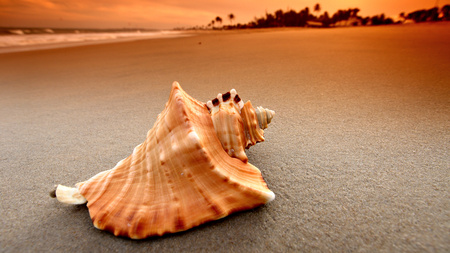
357	154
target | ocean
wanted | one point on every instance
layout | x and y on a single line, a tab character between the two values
27	39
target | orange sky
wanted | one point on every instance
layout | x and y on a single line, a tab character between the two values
166	14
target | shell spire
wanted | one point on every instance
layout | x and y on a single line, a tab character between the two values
265	116
178	178
238	125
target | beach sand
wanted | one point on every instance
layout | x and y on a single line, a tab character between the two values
357	154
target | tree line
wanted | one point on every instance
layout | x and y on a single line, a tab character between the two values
349	17
432	14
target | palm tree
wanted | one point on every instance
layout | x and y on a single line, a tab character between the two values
231	17
317	9
212	23
219	20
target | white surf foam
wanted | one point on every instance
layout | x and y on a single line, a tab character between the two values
21	41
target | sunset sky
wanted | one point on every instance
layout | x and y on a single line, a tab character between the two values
166	14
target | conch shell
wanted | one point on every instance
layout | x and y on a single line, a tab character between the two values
181	176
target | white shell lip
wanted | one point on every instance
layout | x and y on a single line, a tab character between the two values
69	195
271	196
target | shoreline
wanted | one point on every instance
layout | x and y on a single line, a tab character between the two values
187	33
66	44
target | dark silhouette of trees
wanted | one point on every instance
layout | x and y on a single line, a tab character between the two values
342	15
445	12
424	15
302	18
219	20
377	20
284	19
231	18
433	14
325	19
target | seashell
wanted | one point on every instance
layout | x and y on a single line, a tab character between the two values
180	176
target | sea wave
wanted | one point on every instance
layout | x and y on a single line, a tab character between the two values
22	39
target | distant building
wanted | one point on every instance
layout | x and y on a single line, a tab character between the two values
314	24
352	21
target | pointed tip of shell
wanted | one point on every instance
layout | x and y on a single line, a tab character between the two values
271	197
264	116
270	114
175	84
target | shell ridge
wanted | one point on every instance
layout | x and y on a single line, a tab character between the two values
183	125
113	200
216	147
232	168
155	192
237	165
151	189
234	175
228	124
238	133
252	126
112	207
214	211
237	140
177	186
174	196
138	222
169	176
147	193
133	194
166	177
94	192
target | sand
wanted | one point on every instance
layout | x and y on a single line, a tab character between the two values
357	154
